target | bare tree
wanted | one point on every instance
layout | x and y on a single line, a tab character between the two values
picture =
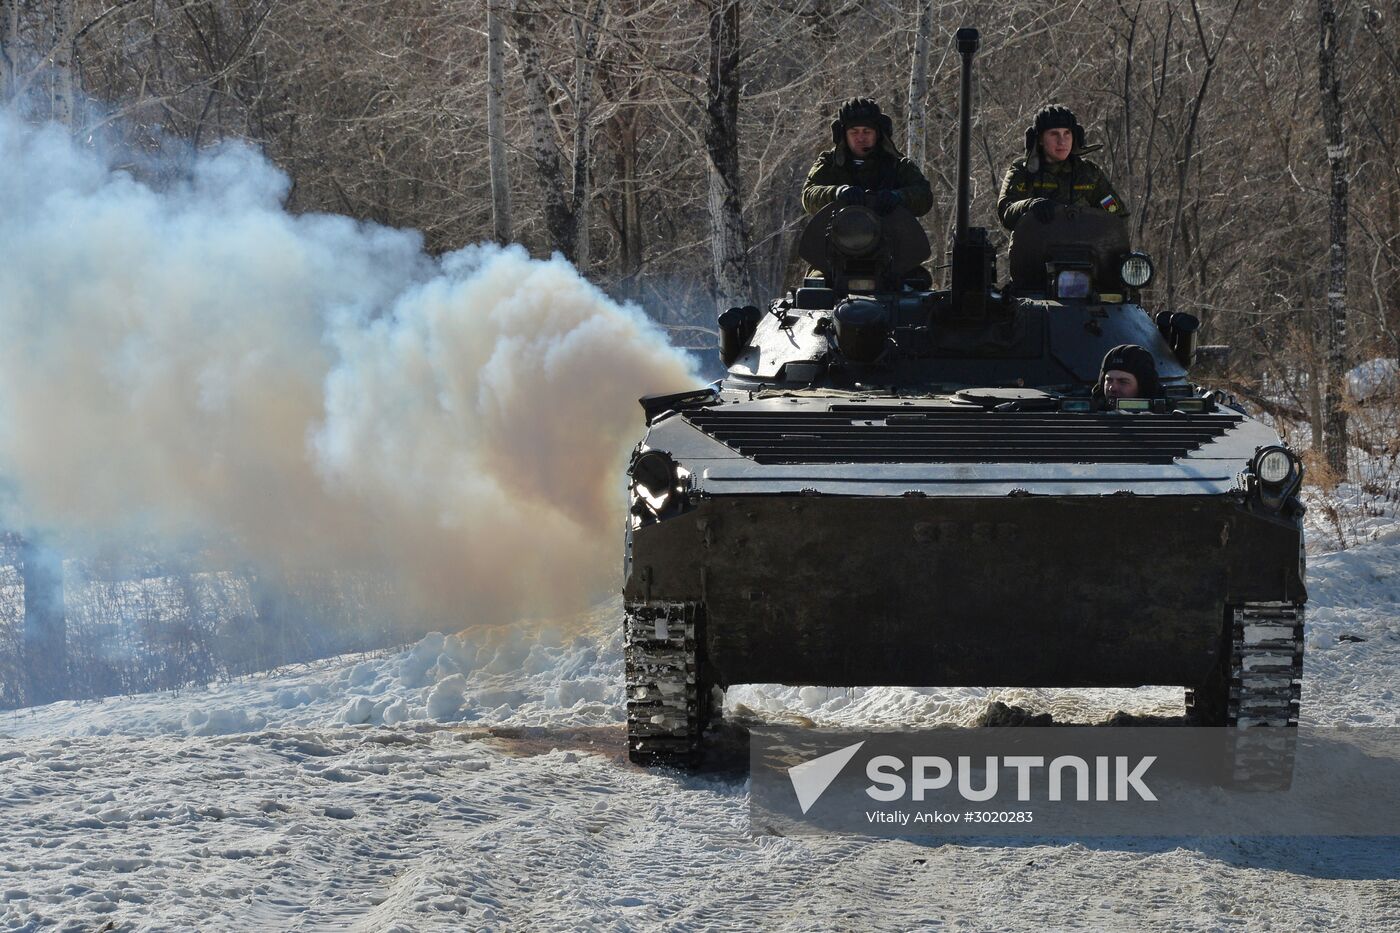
495	122
1334	416
918	85
586	31
730	237
9	48
544	149
61	87
1210	52
622	74
566	205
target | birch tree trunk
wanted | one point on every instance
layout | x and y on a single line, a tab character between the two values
9	48
495	128
585	51
624	132
631	197
558	219
63	84
1329	81
729	241
918	86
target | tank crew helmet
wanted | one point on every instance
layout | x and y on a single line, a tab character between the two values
1131	358
861	111
1053	117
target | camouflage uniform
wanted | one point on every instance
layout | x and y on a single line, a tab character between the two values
1076	181
884	169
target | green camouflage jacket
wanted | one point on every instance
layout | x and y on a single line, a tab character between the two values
1073	181
884	169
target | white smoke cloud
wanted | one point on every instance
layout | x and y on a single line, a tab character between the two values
196	364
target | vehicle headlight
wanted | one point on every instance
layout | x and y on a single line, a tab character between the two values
1275	466
1136	270
659	488
654	478
855	231
1279	473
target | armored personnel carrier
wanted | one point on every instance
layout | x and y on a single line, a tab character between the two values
902	486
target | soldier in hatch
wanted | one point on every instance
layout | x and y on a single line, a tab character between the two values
864	167
1055	171
1128	371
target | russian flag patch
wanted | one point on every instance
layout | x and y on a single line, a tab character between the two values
1110	204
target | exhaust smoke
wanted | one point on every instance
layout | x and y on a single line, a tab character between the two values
195	366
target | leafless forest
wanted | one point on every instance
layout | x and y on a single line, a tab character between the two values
617	120
662	146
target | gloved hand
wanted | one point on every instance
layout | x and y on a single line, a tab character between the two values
883	201
849	194
1043	209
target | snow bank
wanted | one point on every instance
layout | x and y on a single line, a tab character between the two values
510	675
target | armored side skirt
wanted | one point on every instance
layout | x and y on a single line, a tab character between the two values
1017	591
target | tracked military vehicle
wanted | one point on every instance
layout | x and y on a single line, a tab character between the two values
902	486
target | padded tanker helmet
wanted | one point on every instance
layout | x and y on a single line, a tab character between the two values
1131	358
1053	117
861	111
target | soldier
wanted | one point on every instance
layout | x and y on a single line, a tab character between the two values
865	167
1128	371
1055	171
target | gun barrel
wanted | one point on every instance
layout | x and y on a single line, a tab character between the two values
968	40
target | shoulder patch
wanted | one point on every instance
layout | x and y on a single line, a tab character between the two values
1110	204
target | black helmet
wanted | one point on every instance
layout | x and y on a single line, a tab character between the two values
1131	358
861	111
1053	117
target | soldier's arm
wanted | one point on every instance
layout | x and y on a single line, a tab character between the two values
1015	197
1106	198
822	181
914	190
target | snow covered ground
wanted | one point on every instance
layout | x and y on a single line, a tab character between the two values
478	781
